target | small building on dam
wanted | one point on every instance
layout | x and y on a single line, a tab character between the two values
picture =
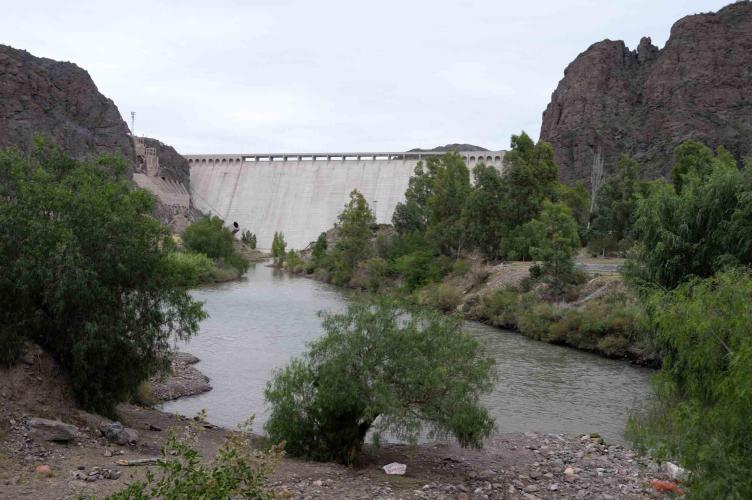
301	194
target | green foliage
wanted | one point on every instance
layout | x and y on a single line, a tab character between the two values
440	296
190	269
235	472
449	193
210	237
371	274
279	248
530	178
703	228
86	273
354	238
414	370
293	262
420	268
616	208
318	251
412	215
702	410
249	239
692	159
577	199
501	307
555	242
483	212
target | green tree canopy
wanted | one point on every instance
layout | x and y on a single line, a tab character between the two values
354	237
449	192
85	273
414	370
702	412
555	242
483	213
698	230
210	237
530	177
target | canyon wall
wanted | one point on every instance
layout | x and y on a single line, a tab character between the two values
647	101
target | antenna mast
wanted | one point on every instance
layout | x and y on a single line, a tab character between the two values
133	123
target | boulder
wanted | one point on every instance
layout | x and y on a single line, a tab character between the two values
395	468
52	430
119	434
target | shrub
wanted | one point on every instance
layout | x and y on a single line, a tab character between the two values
701	415
441	296
371	274
210	237
500	308
190	269
279	248
249	239
86	273
413	370
294	263
535	320
236	471
420	268
461	267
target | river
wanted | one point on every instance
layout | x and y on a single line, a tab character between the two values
258	324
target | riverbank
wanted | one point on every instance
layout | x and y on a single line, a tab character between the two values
529	465
601	315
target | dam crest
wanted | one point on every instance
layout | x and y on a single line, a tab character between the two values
301	194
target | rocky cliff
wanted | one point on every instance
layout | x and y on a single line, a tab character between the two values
646	101
60	101
171	164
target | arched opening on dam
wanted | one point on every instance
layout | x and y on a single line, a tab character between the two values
301	194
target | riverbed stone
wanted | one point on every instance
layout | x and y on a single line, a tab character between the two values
118	433
52	430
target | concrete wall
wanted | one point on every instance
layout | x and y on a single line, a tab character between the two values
301	194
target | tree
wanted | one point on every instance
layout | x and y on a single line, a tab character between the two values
414	370
698	230
85	273
210	237
249	239
616	209
483	213
596	181
530	178
449	192
412	215
354	237
555	242
701	413
279	247
318	253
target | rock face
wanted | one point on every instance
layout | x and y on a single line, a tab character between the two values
171	164
60	101
647	101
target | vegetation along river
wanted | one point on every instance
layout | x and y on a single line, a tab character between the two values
258	324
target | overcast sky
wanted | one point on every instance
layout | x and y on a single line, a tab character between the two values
221	76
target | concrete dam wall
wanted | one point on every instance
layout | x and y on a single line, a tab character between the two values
301	195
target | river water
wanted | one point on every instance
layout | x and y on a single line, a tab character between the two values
258	324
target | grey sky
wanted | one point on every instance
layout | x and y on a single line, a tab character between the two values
228	76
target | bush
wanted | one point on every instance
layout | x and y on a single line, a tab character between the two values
461	267
701	415
249	239
86	273
190	269
371	274
413	370
500	308
294	263
420	268
279	248
235	472
441	296
210	237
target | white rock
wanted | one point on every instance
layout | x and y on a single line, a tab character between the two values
674	471
395	468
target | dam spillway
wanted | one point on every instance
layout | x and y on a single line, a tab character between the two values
301	194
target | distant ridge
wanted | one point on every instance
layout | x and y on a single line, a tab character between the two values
449	147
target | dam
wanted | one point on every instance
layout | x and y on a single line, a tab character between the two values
301	194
